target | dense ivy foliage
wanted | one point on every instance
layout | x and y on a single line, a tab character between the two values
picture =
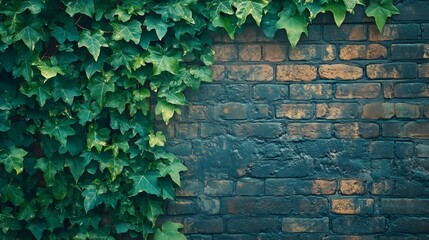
80	84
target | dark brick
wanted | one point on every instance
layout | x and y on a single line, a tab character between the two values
187	130
310	91
312	52
234	237
270	92
234	111
412	11
296	168
410	51
346	206
358	225
424	70
199	237
279	186
208	206
382	187
382	149
250	186
250	72
299	225
381	168
378	110
347	32
350	237
310	206
210	93
425	31
358	90
395	32
404	149
391	70
422	150
199	112
305	187
298	131
180	148
257	205
238	92
203	225
411	90
259	130
211	130
419	130
225	52
189	188
219	187
337	110
408	188
253	225
357	52
262	111
396	206
391	129
352	187
249	34
410	225
181	207
295	111
406	110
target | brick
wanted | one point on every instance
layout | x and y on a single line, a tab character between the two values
423	70
382	187
378	111
356	130
252	225
323	187
181	207
358	225
425	30
249	72
381	149
381	168
388	91
225	52
352	206
312	52
250	186
391	70
426	111
337	110
270	92
258	130
360	52
189	189
358	90
310	206
198	112
418	51
414	11
408	188
302	225
419	130
404	149
208	206
411	90
249	34
203	225
422	150
180	148
410	225
296	73
310	91
199	237
238	92
352	187
262	111
234	237
187	130
391	129
249	52
395	32
279	187
340	71
396	206
274	52
218	72
349	32
290	169
211	130
219	187
351	237
257	205
298	131
233	111
406	110
295	111
314	33
209	93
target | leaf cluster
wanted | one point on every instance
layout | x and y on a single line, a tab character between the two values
81	85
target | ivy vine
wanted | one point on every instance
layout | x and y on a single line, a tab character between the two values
79	155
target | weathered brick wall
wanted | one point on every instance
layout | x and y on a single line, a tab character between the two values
329	140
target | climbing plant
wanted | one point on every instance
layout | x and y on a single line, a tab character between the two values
81	84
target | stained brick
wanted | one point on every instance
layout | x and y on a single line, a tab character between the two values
323	187
357	52
249	34
411	90
225	52
422	150
257	205
406	110
312	52
352	32
340	71
310	91
413	11
423	70
381	149
388	90
233	111
410	51
274	52
408	188
257	72
352	187
181	207
203	225
411	225
198	112
404	149
337	110
358	225
219	187
295	111
358	90
398	206
218	72
426	111
270	92
296	73
301	225
356	130
262	111
189	189
425	30
249	52
297	131
352	206
250	186
378	110
259	130
309	206
187	130
418	130
395	32
382	187
253	225
391	70
391	129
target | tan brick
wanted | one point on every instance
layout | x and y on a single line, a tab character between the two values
356	130
274	52
340	71
310	91
225	52
388	91
337	110
297	131
358	90
352	187
352	206
378	111
324	187
296	73
295	111
382	187
406	110
424	70
249	52
312	52
391	70
218	72
257	72
372	51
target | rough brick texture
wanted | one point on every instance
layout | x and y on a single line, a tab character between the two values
327	141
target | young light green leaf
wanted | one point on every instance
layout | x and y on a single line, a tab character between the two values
381	10
13	159
173	169
48	71
49	167
77	166
97	138
93	42
169	232
80	6
92	197
147	182
294	25
128	31
157	139
163	61
175	98
246	8
338	10
351	4
166	109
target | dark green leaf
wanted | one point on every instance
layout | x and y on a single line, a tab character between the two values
294	25
147	182
37	229
34	6
38	89
100	85
13	193
69	33
163	61
80	6
92	197
77	166
130	31
59	129
97	138
66	89
13	159
49	167
157	24
169	232
29	31
151	209
5	122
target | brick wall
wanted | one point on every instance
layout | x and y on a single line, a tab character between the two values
329	140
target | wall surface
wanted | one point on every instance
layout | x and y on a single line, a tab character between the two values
329	140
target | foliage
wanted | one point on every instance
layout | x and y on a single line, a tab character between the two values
81	83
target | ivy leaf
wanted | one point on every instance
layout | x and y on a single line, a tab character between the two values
29	31
77	166
228	22
166	109
204	74
99	85
92	42
167	189
90	66
163	61
92	197
69	33
85	114
381	10
151	209
24	66
246	8
221	6
37	229
147	182
26	213
339	10
80	6
13	159
123	55
58	128
48	71
169	232
268	23
13	193
176	98
175	10
351	4
157	139
40	90
114	165
128	31
5	122
157	24
294	25
50	168
34	6
97	138
173	169
65	89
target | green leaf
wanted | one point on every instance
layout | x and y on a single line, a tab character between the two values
99	85
157	139
204	74
24	67
26	213
80	6
50	168
92	197
157	24
250	7
294	25
5	122
169	232
37	229
85	114
59	129
221	6
175	10
13	159
69	33
66	89
77	166
40	90
163	61
338	10
48	71
228	22
268	23
34	6
166	109
29	31
114	164
97	138
13	193
381	10
123	55
151	209
176	98
173	169
59	190
147	182
128	31
351	4
93	42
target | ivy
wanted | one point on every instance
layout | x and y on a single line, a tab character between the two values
80	157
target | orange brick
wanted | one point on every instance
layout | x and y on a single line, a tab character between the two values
295	111
356	130
352	187
298	131
388	91
257	72
337	110
296	73
340	71
372	51
274	52
346	32
218	72
352	206
312	52
249	52
225	52
324	187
